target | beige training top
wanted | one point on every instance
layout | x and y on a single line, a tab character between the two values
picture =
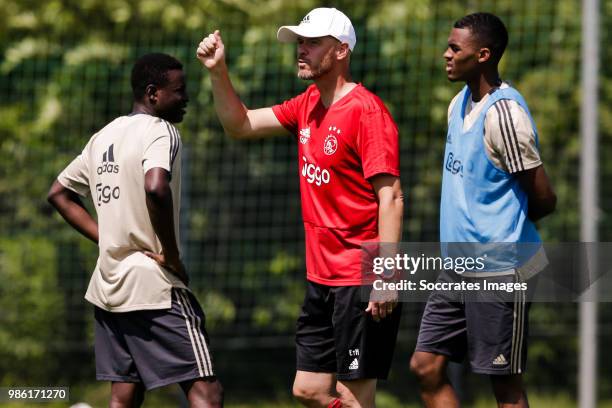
112	169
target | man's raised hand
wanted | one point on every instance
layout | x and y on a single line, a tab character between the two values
211	51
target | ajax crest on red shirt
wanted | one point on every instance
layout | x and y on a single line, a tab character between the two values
331	143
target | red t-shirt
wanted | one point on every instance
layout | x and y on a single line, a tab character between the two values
340	148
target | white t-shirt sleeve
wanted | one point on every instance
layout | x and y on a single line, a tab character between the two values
161	147
509	138
75	176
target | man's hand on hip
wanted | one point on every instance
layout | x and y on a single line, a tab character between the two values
174	264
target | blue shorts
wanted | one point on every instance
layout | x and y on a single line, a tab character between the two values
155	347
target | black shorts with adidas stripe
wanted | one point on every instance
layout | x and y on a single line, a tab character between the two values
335	335
154	347
490	329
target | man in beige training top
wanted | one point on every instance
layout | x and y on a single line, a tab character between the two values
149	329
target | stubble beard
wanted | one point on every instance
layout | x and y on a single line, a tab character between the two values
314	73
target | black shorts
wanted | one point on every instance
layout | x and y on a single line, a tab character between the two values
492	333
335	334
155	347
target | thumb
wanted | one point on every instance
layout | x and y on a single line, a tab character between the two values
369	307
217	35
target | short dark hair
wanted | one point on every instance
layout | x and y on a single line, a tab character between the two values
152	69
489	31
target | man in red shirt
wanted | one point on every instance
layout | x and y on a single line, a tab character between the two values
348	158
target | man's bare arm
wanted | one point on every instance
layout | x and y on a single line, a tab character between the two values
390	207
390	217
541	196
237	120
161	214
69	205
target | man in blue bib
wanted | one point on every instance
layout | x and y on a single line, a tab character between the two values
494	188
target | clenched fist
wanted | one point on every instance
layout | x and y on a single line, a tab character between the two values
211	51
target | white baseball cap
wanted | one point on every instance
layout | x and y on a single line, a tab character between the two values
321	22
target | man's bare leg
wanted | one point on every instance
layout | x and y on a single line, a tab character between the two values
126	395
509	391
436	389
357	393
314	390
203	393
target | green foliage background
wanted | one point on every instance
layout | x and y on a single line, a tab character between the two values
65	73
